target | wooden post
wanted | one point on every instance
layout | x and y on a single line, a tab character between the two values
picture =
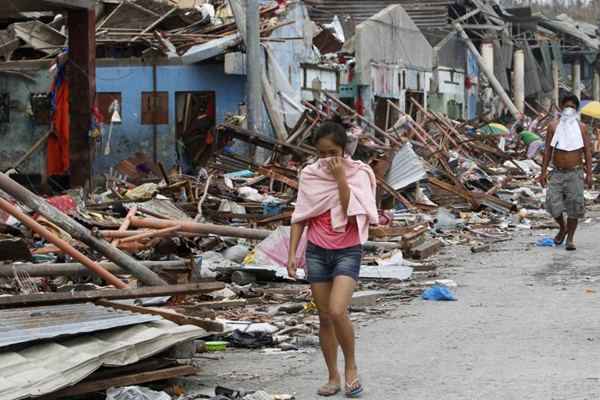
82	81
195	227
78	231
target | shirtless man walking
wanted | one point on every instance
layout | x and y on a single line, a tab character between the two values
567	144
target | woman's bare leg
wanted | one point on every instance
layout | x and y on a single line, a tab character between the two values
329	344
341	296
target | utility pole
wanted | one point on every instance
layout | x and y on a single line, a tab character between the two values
253	69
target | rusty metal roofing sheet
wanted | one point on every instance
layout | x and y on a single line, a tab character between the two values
22	325
425	14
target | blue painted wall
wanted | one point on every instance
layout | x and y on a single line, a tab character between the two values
131	136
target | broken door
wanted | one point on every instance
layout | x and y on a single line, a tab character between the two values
196	117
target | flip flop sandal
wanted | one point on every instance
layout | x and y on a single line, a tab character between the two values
328	390
571	247
557	243
354	390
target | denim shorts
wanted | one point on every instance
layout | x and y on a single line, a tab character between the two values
323	265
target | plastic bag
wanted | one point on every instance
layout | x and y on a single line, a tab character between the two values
439	293
275	249
545	242
250	340
135	393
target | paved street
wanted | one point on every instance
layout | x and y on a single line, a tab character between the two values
525	326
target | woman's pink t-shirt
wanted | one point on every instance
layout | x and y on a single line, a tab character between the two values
321	233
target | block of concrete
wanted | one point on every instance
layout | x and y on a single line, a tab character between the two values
367	298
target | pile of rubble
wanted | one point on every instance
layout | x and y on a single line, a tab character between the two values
136	28
203	256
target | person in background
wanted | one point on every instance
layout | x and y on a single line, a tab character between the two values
568	147
533	141
336	204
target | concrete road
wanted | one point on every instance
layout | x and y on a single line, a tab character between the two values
526	326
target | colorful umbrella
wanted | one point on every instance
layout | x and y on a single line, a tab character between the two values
591	109
494	129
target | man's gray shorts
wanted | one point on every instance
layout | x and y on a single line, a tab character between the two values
565	193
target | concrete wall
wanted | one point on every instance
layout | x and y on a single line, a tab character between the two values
450	97
130	79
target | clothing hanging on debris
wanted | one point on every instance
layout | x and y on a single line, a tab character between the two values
58	143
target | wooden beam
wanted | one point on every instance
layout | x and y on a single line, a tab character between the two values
76	269
125	380
390	190
180	319
110	294
82	81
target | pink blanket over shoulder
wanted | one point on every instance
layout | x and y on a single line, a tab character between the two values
318	193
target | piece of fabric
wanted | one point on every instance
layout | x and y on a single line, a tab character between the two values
320	232
529	137
318	194
58	142
565	193
568	135
323	265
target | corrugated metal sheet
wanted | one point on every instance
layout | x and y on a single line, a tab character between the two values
425	14
22	325
407	168
581	31
47	367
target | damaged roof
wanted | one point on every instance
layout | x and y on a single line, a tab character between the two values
18	6
425	14
583	32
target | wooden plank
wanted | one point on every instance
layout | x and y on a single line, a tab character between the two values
278	177
125	380
111	294
180	319
276	218
426	249
381	183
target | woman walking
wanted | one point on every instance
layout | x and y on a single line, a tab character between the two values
336	204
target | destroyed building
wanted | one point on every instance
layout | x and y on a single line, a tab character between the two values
180	247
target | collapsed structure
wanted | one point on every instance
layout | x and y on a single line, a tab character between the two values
172	196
